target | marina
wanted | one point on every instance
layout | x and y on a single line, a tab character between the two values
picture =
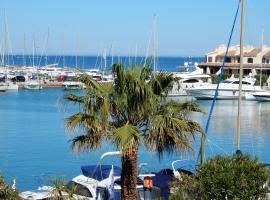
36	147
92	107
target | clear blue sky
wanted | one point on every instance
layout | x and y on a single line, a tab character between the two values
185	27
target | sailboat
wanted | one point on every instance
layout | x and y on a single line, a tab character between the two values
33	84
6	85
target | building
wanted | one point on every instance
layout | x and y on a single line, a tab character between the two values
254	59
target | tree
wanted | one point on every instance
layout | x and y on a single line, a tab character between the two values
130	112
6	191
226	177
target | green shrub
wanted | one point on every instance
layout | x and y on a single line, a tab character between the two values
6	192
264	79
226	177
215	77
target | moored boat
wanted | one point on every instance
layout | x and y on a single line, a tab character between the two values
228	89
186	80
96	182
72	85
262	96
32	85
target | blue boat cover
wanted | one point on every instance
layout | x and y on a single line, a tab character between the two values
100	172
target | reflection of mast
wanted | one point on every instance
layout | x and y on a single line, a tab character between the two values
238	151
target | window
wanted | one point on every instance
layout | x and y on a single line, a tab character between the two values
238	59
246	83
228	60
263	60
79	189
210	59
227	81
250	60
243	82
191	81
235	82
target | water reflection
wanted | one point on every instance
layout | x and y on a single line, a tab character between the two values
255	135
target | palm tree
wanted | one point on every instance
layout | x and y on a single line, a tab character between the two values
132	112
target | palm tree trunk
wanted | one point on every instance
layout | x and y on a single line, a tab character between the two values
129	175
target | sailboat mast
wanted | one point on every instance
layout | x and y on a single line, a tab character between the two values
33	51
261	60
240	76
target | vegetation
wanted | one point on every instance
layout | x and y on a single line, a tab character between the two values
214	77
263	79
226	177
132	112
6	192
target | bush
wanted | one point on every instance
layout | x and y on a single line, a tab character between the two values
215	77
6	191
227	177
264	79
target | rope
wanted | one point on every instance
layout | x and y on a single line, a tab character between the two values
221	73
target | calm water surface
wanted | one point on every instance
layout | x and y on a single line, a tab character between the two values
34	144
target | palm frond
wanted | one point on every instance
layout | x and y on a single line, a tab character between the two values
180	110
86	142
74	98
145	73
126	137
167	133
161	83
84	121
90	83
120	78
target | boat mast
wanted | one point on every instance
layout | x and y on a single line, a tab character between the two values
261	60
154	41
33	55
238	151
24	61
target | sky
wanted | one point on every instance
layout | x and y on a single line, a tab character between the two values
92	27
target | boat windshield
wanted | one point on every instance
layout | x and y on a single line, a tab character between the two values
243	82
227	81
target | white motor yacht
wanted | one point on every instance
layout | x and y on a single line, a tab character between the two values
228	89
187	80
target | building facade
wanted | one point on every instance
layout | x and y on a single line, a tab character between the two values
255	59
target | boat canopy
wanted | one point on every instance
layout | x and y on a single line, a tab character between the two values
100	172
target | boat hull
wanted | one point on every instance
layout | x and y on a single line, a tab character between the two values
208	94
32	86
262	96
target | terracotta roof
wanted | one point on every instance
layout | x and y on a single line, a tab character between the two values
252	53
267	55
230	54
234	65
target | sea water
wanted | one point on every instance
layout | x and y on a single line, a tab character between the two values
35	145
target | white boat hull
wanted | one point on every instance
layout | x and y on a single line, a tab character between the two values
12	87
33	86
224	94
262	96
